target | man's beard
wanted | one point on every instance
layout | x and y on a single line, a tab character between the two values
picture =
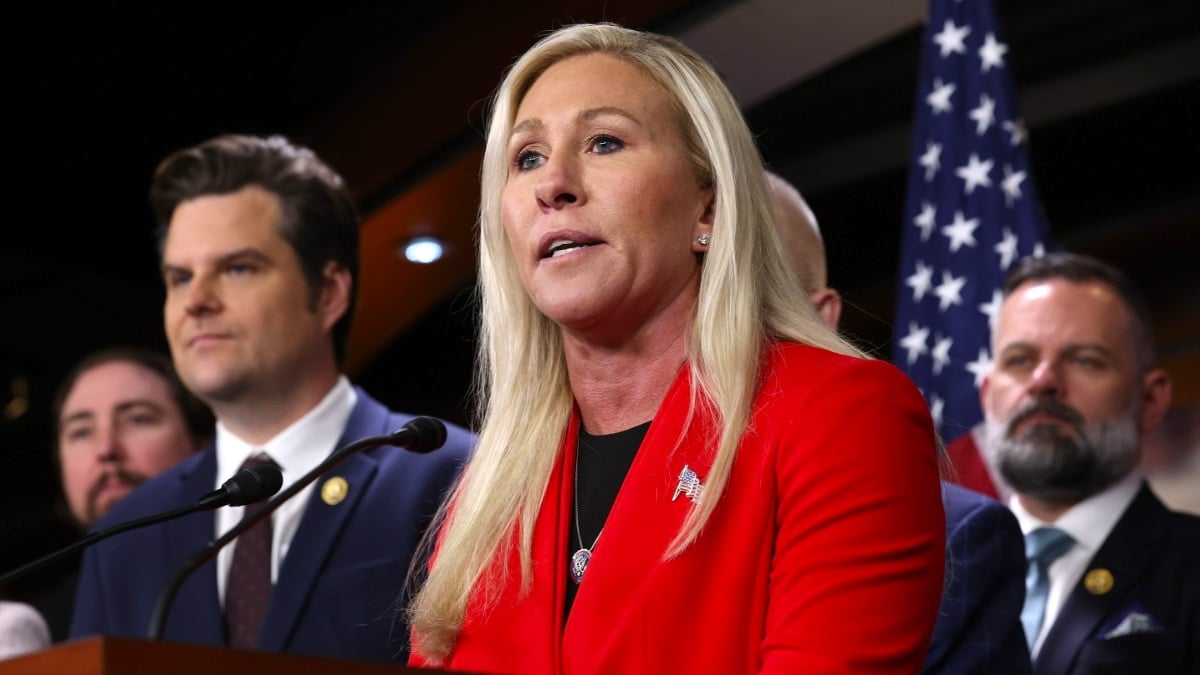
94	509
1062	465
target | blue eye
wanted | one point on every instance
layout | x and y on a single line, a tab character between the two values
604	145
528	160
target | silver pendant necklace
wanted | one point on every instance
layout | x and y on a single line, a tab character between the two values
578	564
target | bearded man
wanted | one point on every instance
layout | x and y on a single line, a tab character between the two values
1112	584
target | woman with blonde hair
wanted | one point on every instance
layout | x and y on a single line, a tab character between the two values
680	469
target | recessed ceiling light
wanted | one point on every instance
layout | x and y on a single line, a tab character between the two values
424	250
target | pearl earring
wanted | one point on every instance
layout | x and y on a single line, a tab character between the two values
702	240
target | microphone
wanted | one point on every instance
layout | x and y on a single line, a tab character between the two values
247	487
420	435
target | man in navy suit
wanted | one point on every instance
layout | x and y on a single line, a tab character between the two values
978	628
1112	583
259	247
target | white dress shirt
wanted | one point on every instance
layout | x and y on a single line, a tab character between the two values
1089	523
297	450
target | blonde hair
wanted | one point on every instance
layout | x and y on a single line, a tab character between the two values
747	295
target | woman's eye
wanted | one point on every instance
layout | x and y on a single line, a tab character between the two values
528	160
604	145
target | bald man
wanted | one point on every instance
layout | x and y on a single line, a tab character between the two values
979	623
805	249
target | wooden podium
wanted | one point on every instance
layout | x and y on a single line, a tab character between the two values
112	656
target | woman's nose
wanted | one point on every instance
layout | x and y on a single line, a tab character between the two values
558	183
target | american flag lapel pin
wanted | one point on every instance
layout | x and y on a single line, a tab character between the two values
689	485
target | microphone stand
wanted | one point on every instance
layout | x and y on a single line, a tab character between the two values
213	500
415	435
94	537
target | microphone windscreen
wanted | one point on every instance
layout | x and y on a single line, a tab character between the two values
255	484
424	434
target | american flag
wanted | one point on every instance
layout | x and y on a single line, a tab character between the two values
970	212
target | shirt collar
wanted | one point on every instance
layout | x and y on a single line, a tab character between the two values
1090	521
300	446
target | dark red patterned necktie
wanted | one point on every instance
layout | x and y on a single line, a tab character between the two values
248	587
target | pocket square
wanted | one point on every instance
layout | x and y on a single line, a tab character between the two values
1134	620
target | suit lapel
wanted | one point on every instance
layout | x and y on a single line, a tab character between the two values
525	635
319	529
554	524
197	613
644	519
1128	551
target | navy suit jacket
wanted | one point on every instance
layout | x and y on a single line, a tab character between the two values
1153	557
337	588
978	628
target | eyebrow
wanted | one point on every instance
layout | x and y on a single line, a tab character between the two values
123	406
76	417
1071	347
224	259
532	123
1091	346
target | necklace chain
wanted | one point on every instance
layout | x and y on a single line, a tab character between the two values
580	559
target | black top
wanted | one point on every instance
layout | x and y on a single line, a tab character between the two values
600	467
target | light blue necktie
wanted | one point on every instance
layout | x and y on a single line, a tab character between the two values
1042	547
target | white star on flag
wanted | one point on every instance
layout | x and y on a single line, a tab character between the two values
1011	185
951	39
980	366
991	54
984	115
939	98
1016	132
971	209
991	308
949	290
920	281
931	160
936	406
941	353
914	342
1006	248
961	232
925	220
975	173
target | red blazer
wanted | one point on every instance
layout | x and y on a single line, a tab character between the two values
824	555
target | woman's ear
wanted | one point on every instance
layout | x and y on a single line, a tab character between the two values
702	232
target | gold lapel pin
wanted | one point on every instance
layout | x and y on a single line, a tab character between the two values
334	490
1098	581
